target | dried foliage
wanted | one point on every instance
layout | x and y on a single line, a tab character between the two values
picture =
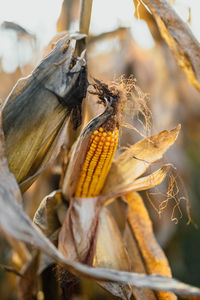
179	38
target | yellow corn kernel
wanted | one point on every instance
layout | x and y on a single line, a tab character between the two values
97	163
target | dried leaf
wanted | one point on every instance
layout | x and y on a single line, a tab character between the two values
179	38
133	162
154	258
110	253
35	112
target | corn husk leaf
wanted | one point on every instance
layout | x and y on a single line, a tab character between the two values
79	152
77	237
155	261
140	184
134	162
110	253
36	110
17	224
177	34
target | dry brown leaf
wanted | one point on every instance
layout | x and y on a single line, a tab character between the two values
133	162
154	258
179	38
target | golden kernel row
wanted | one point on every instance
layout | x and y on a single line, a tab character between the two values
97	163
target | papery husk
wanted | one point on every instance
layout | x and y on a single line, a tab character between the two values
79	152
77	237
155	261
35	112
140	184
134	162
110	253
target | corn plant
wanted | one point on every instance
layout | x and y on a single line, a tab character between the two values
96	224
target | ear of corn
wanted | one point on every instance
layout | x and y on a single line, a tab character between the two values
97	163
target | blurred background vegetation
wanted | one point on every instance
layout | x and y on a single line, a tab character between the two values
124	40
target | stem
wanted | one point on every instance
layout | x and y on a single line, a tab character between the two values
85	16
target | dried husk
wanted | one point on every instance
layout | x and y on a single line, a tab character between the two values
134	162
140	184
77	237
34	114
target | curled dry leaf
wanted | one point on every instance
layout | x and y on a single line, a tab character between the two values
179	38
34	114
134	162
155	261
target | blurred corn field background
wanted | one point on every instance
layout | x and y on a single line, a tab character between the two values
154	70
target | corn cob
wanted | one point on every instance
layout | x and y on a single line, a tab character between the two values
101	150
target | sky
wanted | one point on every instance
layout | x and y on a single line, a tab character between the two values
40	16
